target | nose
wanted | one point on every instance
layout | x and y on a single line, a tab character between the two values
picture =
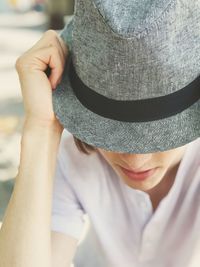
136	161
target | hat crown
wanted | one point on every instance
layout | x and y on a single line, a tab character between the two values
127	17
159	61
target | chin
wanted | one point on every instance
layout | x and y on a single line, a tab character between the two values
144	185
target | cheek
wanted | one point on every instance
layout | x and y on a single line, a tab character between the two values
109	157
166	158
160	159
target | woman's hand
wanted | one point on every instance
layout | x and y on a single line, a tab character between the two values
50	51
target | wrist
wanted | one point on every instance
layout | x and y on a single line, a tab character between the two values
40	139
34	124
48	131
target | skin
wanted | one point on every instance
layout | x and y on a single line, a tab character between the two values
157	185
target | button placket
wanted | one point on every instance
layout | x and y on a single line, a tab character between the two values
145	206
149	241
146	249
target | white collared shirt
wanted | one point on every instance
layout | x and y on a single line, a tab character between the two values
124	231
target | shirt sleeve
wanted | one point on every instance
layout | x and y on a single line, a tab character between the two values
67	212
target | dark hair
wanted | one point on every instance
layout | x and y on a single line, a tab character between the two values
83	147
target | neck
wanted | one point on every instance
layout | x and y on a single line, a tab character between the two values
162	189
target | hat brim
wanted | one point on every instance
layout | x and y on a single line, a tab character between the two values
118	136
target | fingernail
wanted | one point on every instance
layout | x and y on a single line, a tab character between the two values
59	81
56	84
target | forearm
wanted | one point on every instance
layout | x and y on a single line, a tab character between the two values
25	236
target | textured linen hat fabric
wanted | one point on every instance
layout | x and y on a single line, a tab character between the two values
131	82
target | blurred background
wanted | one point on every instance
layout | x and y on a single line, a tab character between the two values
22	23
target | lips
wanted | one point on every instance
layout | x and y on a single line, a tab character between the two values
135	171
138	175
129	170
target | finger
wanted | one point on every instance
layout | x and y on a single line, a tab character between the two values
50	56
54	40
45	40
56	65
42	56
51	38
61	52
63	45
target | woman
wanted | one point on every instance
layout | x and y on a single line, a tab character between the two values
142	199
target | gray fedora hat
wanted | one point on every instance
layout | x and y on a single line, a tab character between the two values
131	82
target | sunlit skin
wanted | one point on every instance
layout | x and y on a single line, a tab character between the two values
157	185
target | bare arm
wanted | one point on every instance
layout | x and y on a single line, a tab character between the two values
63	249
25	236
